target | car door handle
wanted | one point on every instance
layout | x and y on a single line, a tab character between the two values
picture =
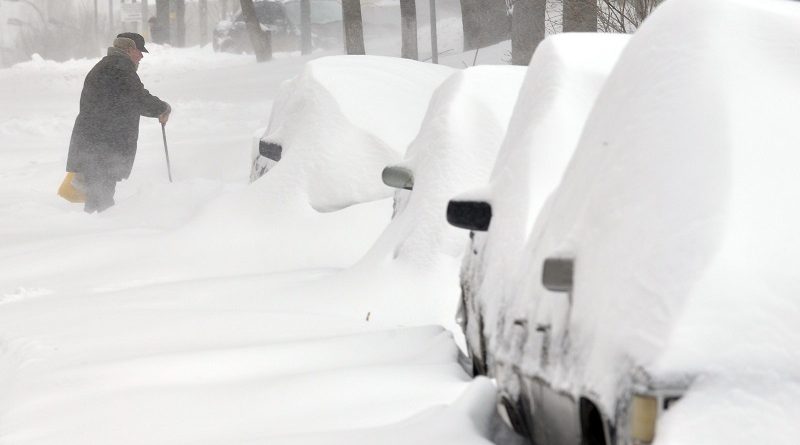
544	352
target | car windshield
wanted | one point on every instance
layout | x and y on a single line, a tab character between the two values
322	11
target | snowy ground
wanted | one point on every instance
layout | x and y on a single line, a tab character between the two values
167	319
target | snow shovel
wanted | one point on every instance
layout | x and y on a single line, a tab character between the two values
166	151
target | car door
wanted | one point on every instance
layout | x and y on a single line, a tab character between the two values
556	415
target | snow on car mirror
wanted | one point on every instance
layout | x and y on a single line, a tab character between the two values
471	215
557	274
398	177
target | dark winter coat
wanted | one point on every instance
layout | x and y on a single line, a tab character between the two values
107	128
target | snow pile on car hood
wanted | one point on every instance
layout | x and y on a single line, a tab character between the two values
344	119
681	205
564	77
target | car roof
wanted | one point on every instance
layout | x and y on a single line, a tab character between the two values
564	77
562	82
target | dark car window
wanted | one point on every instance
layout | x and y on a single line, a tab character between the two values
322	11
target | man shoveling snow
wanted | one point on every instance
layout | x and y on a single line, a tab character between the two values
103	143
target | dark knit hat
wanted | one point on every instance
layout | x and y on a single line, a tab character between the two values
137	39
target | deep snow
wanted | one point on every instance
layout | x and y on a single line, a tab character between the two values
162	321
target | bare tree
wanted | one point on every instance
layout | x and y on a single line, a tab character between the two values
485	22
623	15
408	20
353	27
305	26
203	15
261	39
179	39
579	15
58	39
527	28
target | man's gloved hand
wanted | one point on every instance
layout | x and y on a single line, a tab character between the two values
165	115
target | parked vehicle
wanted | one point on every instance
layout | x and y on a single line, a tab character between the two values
282	19
562	83
455	148
411	270
325	133
657	301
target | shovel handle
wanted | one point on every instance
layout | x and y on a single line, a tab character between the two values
166	151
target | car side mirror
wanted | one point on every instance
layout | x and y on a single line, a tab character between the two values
398	177
270	150
558	274
470	215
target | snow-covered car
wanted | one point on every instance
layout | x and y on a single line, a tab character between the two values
659	301
410	274
334	127
462	131
562	83
455	149
282	19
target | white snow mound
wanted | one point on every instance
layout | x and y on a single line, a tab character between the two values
342	120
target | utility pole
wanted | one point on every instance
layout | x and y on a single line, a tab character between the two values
434	37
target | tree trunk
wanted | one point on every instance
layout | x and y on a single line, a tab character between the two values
580	15
111	26
202	7
434	32
408	20
353	27
260	39
145	15
484	22
305	26
527	29
643	8
164	29
180	14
